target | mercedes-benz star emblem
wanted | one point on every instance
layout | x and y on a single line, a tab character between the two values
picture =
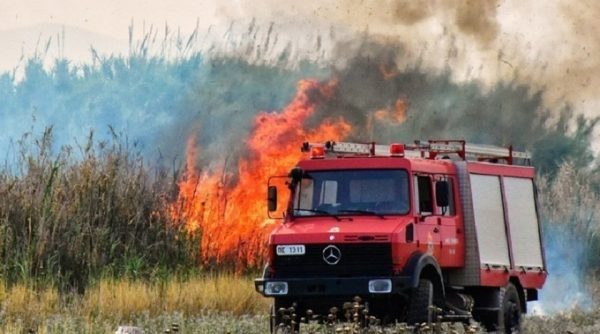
332	255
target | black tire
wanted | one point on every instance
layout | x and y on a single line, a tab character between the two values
508	317
421	302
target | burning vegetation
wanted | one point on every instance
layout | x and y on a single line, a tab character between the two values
227	209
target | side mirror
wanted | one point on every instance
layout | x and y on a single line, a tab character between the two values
442	193
272	198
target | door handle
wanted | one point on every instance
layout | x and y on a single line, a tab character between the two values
436	230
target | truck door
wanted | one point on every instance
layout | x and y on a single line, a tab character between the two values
450	246
427	227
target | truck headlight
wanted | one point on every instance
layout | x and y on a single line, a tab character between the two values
276	288
380	286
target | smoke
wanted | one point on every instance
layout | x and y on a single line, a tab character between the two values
153	103
385	103
569	207
549	46
473	18
411	12
478	19
565	288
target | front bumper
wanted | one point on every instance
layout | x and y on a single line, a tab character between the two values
318	286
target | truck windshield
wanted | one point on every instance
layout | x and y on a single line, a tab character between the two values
352	192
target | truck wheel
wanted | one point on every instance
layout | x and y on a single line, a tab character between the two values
421	302
508	318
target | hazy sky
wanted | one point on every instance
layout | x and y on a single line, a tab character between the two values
110	17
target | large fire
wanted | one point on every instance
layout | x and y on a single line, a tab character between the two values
230	217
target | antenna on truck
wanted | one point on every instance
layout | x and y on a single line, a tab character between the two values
431	149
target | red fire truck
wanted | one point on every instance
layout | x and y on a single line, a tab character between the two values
409	229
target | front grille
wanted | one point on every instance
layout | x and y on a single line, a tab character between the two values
364	259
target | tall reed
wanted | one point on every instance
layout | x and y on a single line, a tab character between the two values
69	214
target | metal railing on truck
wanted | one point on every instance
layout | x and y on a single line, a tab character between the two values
431	149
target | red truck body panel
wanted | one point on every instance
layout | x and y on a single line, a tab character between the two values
440	236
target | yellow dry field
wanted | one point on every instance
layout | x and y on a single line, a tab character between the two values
109	303
203	304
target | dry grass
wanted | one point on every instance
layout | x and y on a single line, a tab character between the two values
202	304
21	301
220	293
125	301
571	321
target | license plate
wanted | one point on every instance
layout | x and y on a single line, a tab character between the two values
290	250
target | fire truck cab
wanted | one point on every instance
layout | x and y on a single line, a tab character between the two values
410	229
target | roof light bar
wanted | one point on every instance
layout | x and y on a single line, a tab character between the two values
397	150
317	152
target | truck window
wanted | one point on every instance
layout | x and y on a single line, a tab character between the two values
450	209
352	192
423	194
304	194
328	192
371	191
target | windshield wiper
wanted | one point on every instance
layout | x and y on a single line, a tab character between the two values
366	212
326	213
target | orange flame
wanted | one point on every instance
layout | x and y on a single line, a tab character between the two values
395	114
230	217
400	111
